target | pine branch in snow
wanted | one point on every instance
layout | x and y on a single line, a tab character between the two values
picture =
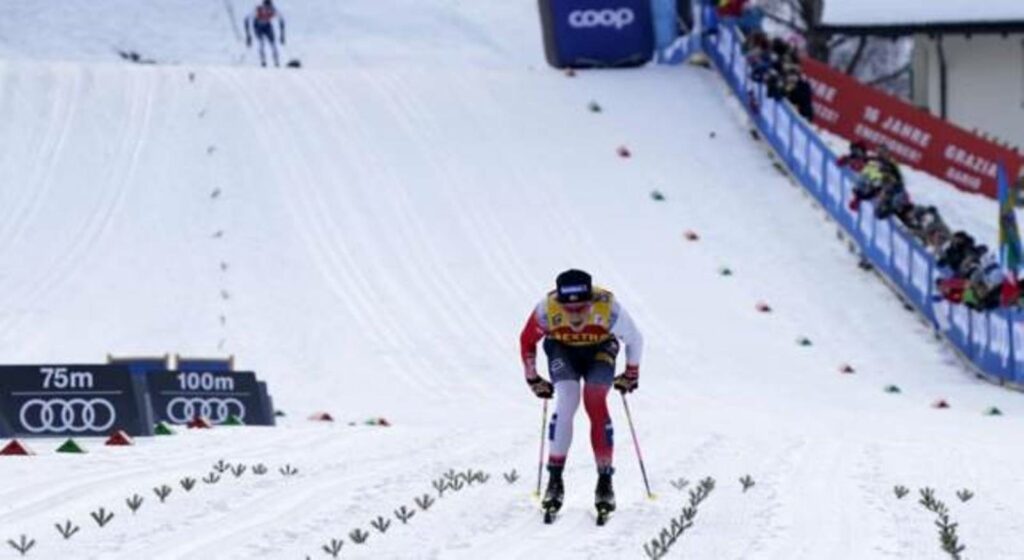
334	547
381	524
134	503
67	530
949	540
162	492
404	514
424	502
441	485
677	527
23	545
102	517
747	482
358	536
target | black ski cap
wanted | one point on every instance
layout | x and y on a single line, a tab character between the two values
573	286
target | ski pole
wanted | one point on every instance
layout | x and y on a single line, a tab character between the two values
636	445
540	460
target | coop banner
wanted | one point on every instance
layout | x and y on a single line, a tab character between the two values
597	33
219	396
855	111
72	400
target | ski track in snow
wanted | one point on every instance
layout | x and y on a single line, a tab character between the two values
388	216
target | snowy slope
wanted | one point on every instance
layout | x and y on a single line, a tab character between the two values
374	230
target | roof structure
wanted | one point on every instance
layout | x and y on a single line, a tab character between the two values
885	17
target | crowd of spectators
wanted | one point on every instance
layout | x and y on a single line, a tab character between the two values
776	64
969	273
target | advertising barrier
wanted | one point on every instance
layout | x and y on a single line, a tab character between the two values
597	33
180	396
72	400
205	364
989	341
856	111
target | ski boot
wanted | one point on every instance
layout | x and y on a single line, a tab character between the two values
604	495
554	495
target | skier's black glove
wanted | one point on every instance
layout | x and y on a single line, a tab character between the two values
629	381
541	387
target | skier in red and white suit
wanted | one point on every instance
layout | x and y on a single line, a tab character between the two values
581	326
261	23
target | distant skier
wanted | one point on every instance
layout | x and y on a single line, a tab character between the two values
580	325
261	22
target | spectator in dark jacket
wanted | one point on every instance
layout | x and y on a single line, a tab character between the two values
954	253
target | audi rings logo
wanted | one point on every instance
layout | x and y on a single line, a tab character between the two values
184	409
584	19
67	415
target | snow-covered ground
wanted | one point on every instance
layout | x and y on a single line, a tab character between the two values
369	233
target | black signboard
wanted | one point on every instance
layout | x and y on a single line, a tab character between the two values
72	400
180	396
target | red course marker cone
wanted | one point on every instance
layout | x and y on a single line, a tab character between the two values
15	447
941	403
623	152
200	423
118	438
321	417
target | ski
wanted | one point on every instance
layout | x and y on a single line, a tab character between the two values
551	513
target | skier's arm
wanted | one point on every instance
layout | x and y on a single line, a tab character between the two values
533	332
625	329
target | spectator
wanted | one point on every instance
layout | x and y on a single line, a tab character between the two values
955	251
892	200
887	163
984	281
798	91
730	8
857	158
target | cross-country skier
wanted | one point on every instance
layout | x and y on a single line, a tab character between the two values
581	326
261	22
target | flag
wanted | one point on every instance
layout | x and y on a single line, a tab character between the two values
1009	236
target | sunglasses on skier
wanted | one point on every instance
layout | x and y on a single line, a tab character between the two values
578	307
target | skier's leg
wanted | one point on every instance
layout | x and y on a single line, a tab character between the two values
272	39
567	400
601	434
263	55
595	399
